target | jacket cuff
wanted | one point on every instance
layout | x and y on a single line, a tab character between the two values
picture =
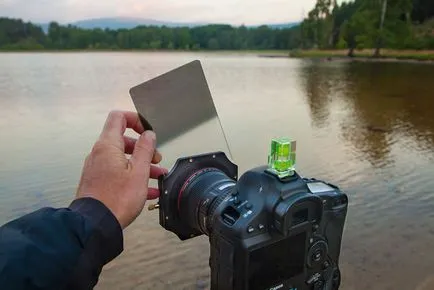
108	237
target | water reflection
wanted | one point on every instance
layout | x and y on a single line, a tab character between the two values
318	93
381	113
367	127
377	105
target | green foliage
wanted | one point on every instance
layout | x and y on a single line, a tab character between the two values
24	44
212	37
422	11
362	24
356	24
213	44
17	35
422	36
342	44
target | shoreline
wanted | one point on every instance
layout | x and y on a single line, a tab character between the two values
366	55
364	59
390	56
271	53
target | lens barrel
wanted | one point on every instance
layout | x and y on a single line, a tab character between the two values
201	194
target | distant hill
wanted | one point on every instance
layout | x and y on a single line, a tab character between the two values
128	23
284	25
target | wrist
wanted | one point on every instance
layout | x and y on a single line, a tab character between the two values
109	205
104	223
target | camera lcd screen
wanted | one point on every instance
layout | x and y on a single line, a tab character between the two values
277	262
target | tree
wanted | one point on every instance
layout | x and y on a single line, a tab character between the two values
16	34
353	24
380	38
213	44
318	27
344	26
422	10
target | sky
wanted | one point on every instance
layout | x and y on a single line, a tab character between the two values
235	12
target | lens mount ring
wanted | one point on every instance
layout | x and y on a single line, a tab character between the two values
207	212
191	179
203	190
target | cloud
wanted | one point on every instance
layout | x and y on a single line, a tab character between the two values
227	11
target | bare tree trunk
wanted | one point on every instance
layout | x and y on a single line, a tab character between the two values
351	52
332	6
380	38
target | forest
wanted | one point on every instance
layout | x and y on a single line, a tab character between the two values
361	24
351	25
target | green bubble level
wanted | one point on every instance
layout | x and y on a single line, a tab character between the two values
281	159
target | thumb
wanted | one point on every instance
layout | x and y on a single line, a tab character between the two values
143	153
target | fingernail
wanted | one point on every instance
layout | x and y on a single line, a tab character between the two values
151	135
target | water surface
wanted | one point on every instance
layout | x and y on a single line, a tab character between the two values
368	127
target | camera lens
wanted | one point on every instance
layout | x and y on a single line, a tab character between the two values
200	195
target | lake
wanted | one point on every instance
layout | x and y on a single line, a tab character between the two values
367	127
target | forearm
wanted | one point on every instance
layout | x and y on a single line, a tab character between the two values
59	248
67	248
103	244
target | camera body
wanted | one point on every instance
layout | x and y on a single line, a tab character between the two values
265	232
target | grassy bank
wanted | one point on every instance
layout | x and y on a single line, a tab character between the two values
418	55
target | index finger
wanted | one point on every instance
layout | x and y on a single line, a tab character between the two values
116	124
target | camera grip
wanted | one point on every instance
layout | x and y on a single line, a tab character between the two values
221	263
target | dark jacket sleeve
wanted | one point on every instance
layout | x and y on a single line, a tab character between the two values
59	248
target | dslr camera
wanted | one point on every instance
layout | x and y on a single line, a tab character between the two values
270	229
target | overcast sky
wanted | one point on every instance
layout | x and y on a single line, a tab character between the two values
221	11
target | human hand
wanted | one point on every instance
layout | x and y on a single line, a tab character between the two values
118	182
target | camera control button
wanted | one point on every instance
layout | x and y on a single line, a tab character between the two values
318	285
317	256
313	279
237	201
250	229
248	206
336	278
261	226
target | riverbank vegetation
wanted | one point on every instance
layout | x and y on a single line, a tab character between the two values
395	28
17	35
415	55
397	25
